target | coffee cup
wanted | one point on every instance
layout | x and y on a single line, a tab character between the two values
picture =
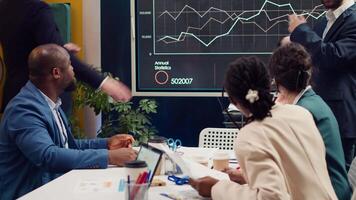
135	168
220	160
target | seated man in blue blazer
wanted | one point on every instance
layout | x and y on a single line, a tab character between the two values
36	144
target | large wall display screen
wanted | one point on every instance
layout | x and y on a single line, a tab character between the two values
183	47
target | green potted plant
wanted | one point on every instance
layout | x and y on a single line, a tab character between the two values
118	117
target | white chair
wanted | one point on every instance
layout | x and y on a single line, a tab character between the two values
352	173
222	138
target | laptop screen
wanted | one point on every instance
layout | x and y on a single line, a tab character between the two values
151	156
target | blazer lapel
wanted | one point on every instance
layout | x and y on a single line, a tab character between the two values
57	130
340	21
54	132
320	26
71	141
334	28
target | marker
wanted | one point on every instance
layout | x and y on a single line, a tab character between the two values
121	185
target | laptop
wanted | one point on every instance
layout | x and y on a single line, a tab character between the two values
152	156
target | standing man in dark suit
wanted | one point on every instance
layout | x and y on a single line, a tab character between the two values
332	45
26	24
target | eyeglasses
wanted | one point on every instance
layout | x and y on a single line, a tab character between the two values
225	110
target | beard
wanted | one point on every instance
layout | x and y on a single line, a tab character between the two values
71	86
331	4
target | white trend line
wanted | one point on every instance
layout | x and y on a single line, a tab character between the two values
235	18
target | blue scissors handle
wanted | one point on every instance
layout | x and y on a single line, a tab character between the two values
174	144
179	181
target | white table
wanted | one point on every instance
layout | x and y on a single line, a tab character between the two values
104	183
69	186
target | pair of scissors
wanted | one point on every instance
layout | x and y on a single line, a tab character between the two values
178	180
174	144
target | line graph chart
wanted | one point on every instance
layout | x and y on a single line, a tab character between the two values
225	26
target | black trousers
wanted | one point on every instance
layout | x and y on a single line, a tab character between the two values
349	145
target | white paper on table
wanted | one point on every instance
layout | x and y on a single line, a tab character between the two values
193	169
95	185
198	154
190	194
208	153
182	192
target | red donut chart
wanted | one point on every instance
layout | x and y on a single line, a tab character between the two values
161	77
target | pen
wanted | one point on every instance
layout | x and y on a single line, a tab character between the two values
128	186
233	161
148	177
170	196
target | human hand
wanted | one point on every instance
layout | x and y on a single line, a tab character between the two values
203	185
120	156
120	141
295	21
117	90
72	48
284	41
235	175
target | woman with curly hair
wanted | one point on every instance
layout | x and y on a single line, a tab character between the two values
280	150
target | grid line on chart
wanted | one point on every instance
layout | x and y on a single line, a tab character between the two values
261	21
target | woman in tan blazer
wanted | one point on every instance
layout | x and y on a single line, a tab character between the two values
280	150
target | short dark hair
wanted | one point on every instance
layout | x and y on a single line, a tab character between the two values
290	66
250	73
44	58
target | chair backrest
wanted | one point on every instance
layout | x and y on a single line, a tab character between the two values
61	13
222	138
352	173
